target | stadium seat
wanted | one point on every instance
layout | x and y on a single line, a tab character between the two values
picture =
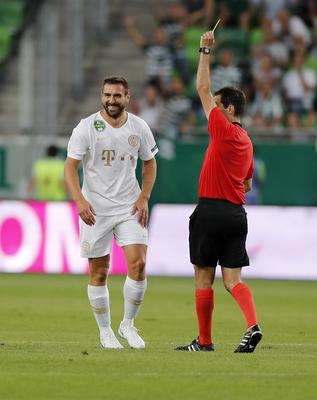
11	14
191	40
311	62
235	39
5	43
256	36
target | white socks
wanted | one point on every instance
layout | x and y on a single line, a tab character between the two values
99	300
133	293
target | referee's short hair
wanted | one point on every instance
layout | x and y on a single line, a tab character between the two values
232	95
116	80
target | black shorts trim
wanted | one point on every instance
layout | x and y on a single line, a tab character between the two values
217	234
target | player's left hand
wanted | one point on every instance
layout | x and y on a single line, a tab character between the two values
141	207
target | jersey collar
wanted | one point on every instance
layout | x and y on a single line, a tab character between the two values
237	123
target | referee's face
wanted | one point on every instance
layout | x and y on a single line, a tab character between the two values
114	99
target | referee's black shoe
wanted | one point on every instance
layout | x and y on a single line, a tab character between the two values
250	340
196	346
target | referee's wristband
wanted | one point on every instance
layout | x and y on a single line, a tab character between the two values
204	50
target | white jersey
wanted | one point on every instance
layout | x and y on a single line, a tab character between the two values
109	157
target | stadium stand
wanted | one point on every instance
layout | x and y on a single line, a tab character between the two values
60	80
245	31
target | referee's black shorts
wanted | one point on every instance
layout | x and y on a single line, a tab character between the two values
217	234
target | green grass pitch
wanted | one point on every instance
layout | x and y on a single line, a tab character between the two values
49	344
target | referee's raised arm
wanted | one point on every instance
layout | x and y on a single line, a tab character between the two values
203	82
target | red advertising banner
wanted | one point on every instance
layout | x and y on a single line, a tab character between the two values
44	237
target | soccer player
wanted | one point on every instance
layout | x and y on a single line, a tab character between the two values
218	225
109	143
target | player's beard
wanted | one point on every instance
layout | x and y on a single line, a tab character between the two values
116	112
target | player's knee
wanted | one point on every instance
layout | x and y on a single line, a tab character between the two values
229	284
137	267
204	277
99	276
203	283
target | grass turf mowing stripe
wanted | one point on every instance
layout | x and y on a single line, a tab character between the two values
49	343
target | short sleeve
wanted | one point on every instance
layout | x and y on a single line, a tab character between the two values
217	124
148	147
251	170
78	143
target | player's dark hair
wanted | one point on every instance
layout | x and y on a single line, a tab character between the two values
234	96
116	80
52	151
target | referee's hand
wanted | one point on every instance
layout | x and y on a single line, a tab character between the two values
207	39
86	212
141	207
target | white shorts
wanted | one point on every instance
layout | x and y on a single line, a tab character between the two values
95	240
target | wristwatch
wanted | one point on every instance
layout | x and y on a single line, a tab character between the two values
205	50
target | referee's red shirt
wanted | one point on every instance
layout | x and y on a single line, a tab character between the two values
228	160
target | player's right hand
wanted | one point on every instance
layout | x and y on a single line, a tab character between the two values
86	212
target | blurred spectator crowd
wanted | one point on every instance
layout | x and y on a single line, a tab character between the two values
267	48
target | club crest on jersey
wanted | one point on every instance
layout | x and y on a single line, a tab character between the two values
99	125
133	140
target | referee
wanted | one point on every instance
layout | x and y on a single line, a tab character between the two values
218	226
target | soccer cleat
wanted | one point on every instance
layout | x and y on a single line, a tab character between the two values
108	339
130	333
250	340
196	346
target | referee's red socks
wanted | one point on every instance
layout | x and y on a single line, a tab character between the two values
243	296
204	309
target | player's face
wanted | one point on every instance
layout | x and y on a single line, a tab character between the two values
114	100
